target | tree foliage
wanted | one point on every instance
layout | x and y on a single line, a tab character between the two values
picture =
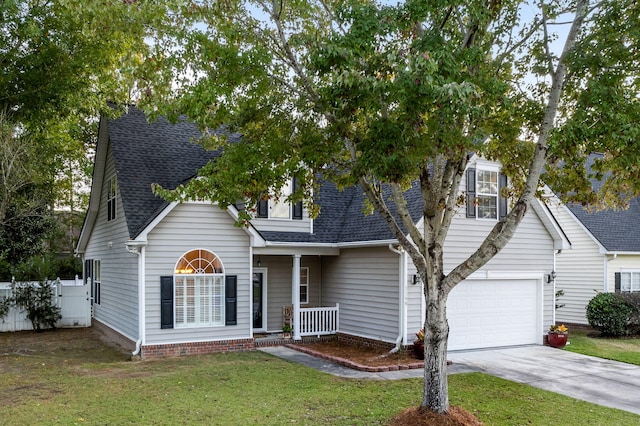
37	300
61	62
381	96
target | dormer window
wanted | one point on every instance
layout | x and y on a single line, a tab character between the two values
281	209
112	190
484	198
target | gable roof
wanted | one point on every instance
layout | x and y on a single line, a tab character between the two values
167	154
147	153
615	230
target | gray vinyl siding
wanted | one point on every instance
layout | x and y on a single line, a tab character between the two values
118	307
620	262
415	296
284	225
365	283
196	226
279	278
530	250
580	270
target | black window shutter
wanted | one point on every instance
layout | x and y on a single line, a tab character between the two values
231	300
297	207
471	192
88	273
166	302
618	282
263	208
502	200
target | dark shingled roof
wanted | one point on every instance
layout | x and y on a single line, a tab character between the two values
616	230
165	153
147	153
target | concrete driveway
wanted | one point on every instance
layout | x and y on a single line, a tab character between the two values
609	383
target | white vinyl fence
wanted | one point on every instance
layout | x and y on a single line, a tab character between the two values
73	298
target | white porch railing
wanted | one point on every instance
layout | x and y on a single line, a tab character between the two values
319	321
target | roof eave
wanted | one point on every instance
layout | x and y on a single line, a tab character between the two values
96	187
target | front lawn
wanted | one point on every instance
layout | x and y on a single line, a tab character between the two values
64	385
624	349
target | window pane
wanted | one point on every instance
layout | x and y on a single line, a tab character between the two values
280	209
190	292
635	281
625	281
179	300
487	182
487	207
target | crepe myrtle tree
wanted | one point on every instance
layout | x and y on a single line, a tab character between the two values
382	96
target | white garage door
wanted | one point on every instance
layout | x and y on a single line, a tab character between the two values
491	313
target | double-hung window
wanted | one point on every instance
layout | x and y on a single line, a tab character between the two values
484	193
93	277
280	208
629	281
304	285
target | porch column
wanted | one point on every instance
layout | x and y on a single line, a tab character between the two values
295	296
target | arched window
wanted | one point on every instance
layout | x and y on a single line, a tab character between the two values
199	291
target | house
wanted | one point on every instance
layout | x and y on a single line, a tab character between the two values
604	255
180	278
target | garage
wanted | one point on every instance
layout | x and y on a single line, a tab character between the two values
486	313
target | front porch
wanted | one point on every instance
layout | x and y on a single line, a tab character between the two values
287	295
318	321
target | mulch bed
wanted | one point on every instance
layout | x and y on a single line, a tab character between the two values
361	358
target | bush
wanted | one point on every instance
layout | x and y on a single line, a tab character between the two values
38	302
5	305
610	314
633	299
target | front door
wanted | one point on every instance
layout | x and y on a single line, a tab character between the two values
258	300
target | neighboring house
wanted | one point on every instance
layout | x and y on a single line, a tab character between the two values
604	255
172	278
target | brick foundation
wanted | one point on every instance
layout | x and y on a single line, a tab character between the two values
113	338
350	339
197	348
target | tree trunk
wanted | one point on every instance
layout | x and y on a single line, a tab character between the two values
436	394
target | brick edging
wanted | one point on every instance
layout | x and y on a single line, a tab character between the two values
354	365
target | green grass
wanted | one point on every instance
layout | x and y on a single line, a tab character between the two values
624	349
98	386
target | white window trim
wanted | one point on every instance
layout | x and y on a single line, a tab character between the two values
487	168
304	284
631	272
97	281
112	197
287	189
212	295
211	305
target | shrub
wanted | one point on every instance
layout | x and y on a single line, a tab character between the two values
609	313
5	305
633	299
36	299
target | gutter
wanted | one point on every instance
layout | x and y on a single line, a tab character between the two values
138	248
401	282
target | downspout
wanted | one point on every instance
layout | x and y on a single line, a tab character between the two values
401	281
140	251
